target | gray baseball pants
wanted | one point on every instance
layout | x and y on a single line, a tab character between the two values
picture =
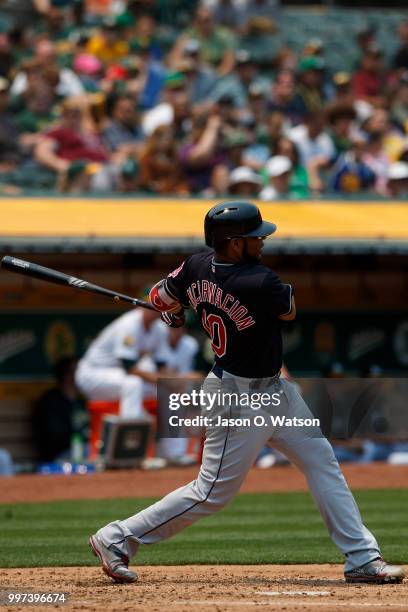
229	453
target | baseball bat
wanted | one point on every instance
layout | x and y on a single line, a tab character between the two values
59	278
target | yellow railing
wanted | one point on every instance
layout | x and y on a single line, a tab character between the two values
175	218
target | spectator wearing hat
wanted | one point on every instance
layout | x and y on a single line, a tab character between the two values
244	182
299	178
400	60
278	169
368	82
310	90
160	171
397	183
217	44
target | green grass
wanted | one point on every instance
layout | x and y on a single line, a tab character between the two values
257	528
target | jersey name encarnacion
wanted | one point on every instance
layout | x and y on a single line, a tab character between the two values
207	291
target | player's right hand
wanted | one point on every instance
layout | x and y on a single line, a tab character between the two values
172	319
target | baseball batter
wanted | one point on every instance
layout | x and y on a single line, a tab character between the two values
241	305
106	370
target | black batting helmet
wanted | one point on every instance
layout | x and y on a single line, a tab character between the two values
234	220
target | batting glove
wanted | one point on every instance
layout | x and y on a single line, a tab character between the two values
173	320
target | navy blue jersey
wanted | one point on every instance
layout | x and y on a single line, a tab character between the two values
238	306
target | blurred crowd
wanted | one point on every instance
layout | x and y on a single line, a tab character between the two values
103	96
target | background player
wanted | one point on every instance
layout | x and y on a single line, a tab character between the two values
109	369
241	304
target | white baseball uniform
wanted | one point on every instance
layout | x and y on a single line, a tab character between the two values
100	374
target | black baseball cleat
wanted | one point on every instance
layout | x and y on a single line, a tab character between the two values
377	572
114	564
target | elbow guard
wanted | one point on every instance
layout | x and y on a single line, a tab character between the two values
162	299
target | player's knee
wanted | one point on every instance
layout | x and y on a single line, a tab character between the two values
215	496
222	493
215	503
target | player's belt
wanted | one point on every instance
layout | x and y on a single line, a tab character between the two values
256	383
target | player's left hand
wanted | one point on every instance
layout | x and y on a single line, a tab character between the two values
172	319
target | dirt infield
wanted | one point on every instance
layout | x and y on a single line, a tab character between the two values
208	588
137	483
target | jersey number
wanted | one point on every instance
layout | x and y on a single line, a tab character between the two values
215	328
